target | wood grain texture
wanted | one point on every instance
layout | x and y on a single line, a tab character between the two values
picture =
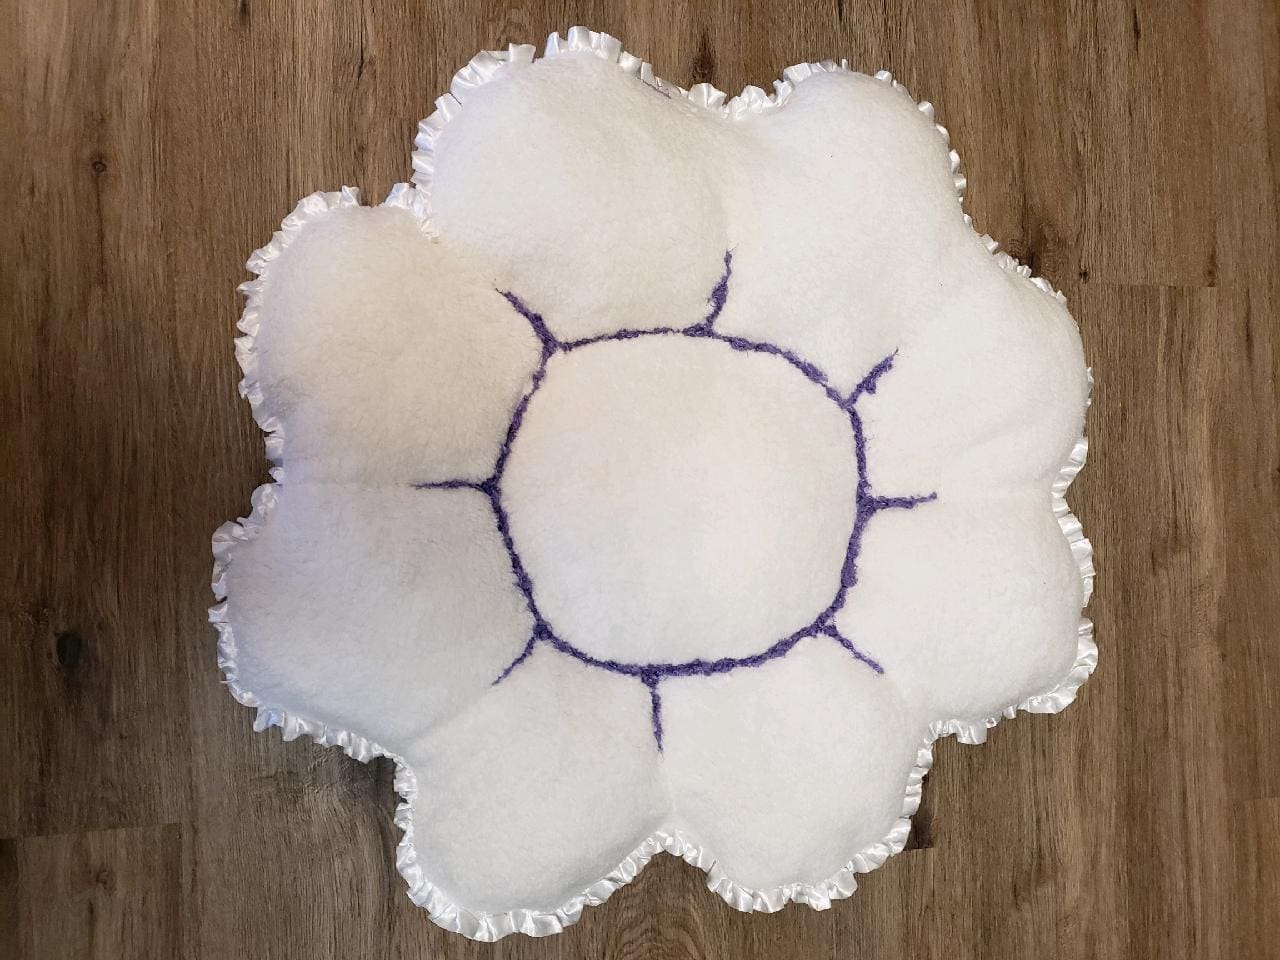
1130	152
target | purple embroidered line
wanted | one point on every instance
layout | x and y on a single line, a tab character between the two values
743	345
452	485
548	340
517	418
719	295
899	503
655	708
651	674
868	383
860	452
848	644
627	334
686	668
521	657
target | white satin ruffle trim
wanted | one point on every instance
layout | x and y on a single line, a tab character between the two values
492	926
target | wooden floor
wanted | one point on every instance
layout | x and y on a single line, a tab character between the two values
1131	154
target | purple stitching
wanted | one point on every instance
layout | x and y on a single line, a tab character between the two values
830	631
549	342
652	674
717	300
868	383
899	503
687	668
451	485
655	708
719	294
743	345
626	334
520	658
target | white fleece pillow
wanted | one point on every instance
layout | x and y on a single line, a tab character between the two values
658	472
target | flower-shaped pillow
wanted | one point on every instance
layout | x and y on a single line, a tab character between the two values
659	472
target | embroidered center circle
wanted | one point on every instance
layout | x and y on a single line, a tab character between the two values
673	498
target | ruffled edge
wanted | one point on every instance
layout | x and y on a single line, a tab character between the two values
752	101
416	199
1057	699
309	208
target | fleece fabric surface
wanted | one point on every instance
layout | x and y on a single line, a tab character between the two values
657	472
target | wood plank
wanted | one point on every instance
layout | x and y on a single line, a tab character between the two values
88	599
101	895
1255	852
1150	150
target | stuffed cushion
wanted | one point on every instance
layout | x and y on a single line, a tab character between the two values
658	472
